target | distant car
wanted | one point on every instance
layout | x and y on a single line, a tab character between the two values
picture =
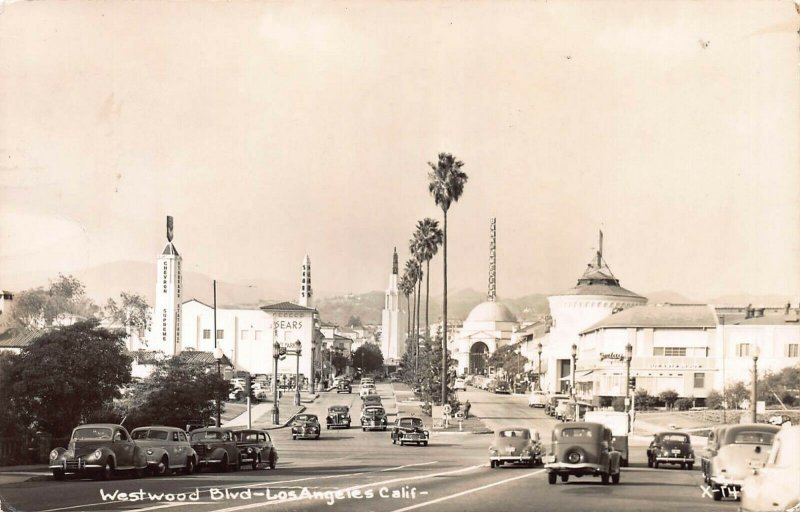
409	429
215	447
562	408
552	402
236	394
582	449
617	422
670	448
775	485
537	399
516	445
367	380
367	389
99	450
371	401
502	386
305	426
344	387
256	448
730	452
338	416
166	449
373	418
460	385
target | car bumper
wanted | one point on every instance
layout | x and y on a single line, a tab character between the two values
413	439
75	466
563	467
724	481
675	460
522	459
374	426
344	424
306	435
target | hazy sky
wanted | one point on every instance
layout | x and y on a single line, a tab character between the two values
272	129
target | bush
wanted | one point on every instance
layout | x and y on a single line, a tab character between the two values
684	404
714	400
618	403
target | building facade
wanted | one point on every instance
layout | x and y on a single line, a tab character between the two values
393	322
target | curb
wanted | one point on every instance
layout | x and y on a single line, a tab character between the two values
286	423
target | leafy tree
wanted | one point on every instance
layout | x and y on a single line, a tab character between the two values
354	321
669	397
11	424
684	404
714	400
507	358
38	308
132	312
618	403
643	400
446	184
736	394
430	380
425	244
67	374
174	394
368	357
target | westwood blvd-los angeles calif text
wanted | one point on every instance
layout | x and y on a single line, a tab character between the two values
266	494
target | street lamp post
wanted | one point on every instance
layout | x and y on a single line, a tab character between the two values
297	350
218	356
276	354
539	374
628	357
574	368
754	391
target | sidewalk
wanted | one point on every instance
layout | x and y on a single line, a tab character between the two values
408	404
17	474
261	413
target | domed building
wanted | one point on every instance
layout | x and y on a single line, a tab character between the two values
488	326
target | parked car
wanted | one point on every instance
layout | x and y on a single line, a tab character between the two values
99	450
775	485
582	449
371	401
409	429
367	389
670	448
256	448
460	385
515	446
500	386
166	449
338	416
537	399
552	403
617	421
730	451
562	408
215	447
373	418
306	426
237	394
344	387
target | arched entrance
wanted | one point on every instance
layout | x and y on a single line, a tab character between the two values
478	357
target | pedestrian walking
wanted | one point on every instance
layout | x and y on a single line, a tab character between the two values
467	406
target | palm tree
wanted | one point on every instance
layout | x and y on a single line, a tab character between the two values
412	271
446	184
427	240
407	289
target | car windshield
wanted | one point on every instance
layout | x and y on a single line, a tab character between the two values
374	411
162	435
675	438
337	409
576	432
751	437
251	437
98	433
199	436
411	422
306	417
524	434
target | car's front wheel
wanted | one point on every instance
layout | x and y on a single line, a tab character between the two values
106	472
615	478
649	462
690	466
551	478
58	474
256	462
604	478
565	478
223	466
190	466
162	468
272	460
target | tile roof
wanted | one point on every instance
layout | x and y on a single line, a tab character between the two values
781	319
18	338
286	306
203	358
680	317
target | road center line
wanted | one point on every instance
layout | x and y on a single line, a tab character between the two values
469	491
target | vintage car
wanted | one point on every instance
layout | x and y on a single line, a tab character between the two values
367	389
562	408
515	446
373	418
344	387
500	386
670	448
460	385
582	449
305	426
537	399
99	450
617	422
409	429
371	401
338	416
367	380
730	451
552	402
215	447
776	485
255	448
166	449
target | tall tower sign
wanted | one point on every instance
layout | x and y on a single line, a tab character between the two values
166	334
306	293
392	345
492	295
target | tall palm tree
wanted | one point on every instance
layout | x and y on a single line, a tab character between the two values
446	183
406	289
427	239
412	270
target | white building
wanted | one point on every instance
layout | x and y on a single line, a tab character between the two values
166	330
392	322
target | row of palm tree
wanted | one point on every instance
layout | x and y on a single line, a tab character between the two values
446	183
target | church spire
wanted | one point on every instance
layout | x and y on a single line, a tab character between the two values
394	262
492	295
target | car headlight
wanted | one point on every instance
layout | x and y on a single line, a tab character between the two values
53	454
149	451
250	450
96	454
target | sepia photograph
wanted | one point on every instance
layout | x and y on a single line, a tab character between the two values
555	249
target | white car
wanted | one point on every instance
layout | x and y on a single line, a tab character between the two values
537	399
460	384
367	389
774	486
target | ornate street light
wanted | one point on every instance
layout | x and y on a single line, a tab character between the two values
218	355
628	357
539	375
297	350
572	391
276	354
754	391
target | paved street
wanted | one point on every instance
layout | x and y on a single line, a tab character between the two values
451	474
